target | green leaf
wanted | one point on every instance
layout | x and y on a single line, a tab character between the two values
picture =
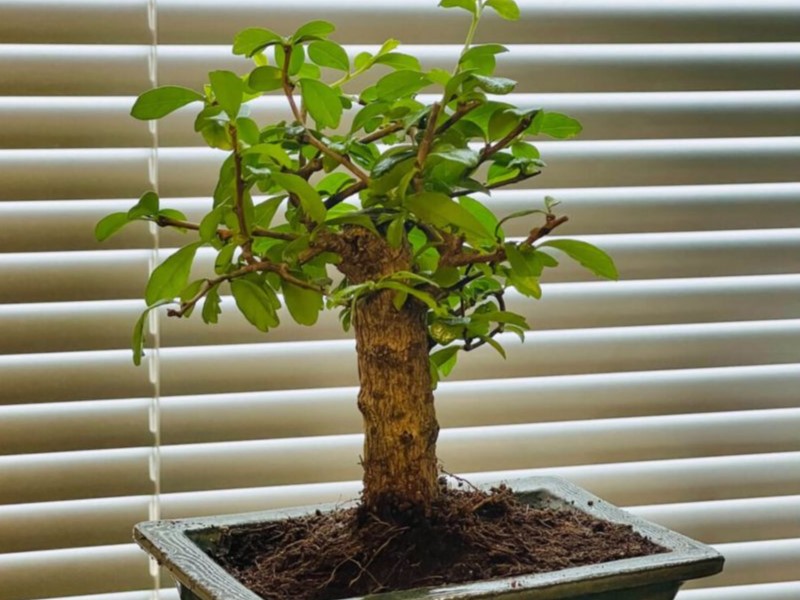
390	161
465	156
519	266
424	297
517	215
313	30
482	50
525	150
442	211
507	9
398	60
395	233
322	103
264	212
137	343
224	258
445	359
211	306
495	344
556	125
486	217
209	224
255	303
309	197
330	184
173	214
147	206
367	113
329	54
589	256
265	79
303	304
228	90
400	84
527	286
161	101
109	225
494	85
249	41
501	123
468	5
170	277
273	152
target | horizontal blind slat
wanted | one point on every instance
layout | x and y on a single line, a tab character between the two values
192	171
53	525
334	458
72	475
553	68
210	417
63	326
198	369
95	121
92	570
121	274
74	21
578	21
676	480
728	521
73	173
100	424
766	591
749	563
57	377
74	69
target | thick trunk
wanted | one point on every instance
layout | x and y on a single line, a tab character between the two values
396	401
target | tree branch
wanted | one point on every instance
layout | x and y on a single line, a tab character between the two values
524	123
288	86
340	197
238	207
281	269
516	179
225	234
469	258
342	159
381	133
461	111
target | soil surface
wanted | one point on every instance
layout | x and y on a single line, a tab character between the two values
473	536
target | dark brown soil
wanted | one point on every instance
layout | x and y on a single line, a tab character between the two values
473	536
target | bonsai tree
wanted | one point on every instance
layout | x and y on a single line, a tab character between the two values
388	200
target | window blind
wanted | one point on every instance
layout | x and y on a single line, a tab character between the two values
673	391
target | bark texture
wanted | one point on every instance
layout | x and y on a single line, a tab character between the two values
395	399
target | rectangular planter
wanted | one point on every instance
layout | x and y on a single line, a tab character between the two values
179	546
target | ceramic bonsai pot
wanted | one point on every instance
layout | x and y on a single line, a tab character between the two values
180	546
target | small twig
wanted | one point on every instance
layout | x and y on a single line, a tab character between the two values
288	86
491	149
499	255
340	197
427	138
461	111
342	159
238	207
516	179
381	133
281	269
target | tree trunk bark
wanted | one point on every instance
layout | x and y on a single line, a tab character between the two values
396	401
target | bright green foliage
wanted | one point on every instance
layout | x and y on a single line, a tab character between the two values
416	175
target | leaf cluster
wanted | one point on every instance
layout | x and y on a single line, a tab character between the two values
414	175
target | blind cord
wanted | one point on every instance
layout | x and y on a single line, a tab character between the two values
154	364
